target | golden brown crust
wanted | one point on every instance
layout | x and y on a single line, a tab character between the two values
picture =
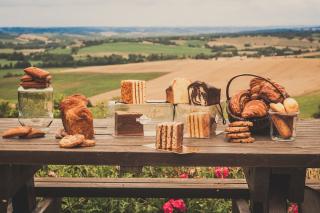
237	129
169	94
36	72
34	133
278	107
16	132
291	105
282	127
254	109
238	135
88	143
71	141
242	140
126	92
238	101
241	123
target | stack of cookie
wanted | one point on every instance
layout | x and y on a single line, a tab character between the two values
24	132
239	132
35	78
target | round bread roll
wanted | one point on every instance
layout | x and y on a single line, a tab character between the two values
278	107
291	105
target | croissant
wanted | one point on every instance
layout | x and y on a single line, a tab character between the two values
254	108
270	94
238	101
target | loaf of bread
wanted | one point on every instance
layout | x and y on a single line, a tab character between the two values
283	128
76	117
133	91
169	135
177	92
199	125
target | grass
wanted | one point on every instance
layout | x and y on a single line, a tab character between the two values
6	50
88	84
309	104
141	48
60	51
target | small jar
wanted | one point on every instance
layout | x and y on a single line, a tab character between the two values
283	126
35	107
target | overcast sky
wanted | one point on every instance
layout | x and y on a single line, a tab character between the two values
159	12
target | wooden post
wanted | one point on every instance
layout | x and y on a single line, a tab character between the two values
24	200
4	206
311	202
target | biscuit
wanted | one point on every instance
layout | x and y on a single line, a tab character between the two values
60	134
241	124
34	133
36	72
242	140
238	135
71	141
237	129
17	131
88	143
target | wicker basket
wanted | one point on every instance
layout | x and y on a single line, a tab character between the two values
260	125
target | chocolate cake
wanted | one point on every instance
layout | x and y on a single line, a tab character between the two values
126	124
201	93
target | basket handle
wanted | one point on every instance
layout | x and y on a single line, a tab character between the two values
252	75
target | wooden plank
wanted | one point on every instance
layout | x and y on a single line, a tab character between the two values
141	187
311	202
240	206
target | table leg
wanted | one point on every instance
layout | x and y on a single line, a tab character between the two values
4	206
270	188
25	200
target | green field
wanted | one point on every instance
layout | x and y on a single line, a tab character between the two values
309	104
89	84
141	48
60	51
6	50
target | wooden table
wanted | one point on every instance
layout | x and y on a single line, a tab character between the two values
275	171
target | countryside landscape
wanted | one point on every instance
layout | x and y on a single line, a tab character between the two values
93	61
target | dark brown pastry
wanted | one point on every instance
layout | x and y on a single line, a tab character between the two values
254	109
201	93
26	78
36	72
16	132
34	84
76	117
238	101
126	124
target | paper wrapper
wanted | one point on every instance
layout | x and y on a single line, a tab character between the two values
184	149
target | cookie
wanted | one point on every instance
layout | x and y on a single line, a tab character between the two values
17	131
71	141
237	129
88	143
34	133
238	135
242	140
241	123
36	72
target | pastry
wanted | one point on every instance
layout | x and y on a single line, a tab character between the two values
26	78
238	101
278	107
88	143
60	134
76	117
133	91
237	129
126	124
254	108
203	94
241	123
169	135
238	135
283	129
199	125
36	72
34	133
291	105
71	141
16	132
34	84
177	92
242	140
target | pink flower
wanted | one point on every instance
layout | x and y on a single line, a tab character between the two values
179	205
221	172
167	207
184	175
293	208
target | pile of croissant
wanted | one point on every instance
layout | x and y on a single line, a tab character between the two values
254	102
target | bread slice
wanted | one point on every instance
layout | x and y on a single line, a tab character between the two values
169	135
177	135
158	136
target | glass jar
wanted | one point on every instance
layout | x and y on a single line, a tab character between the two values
283	126
35	107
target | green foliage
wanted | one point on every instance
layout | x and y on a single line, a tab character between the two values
317	114
309	104
7	110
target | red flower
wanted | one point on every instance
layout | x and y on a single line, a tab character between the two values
293	208
179	205
221	172
172	205
167	207
184	175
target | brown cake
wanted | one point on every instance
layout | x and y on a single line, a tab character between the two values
169	135
177	92
76	117
126	124
199	125
133	91
201	93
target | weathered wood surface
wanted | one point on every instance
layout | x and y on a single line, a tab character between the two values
303	152
141	187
